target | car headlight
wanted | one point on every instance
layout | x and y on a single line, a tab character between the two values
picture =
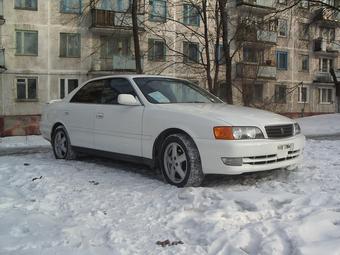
297	129
237	133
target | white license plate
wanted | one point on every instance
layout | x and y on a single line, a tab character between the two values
282	150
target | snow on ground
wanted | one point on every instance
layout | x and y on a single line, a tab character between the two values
97	206
320	125
22	141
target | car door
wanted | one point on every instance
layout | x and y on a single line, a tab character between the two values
79	114
118	128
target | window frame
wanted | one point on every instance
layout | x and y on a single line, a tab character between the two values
66	44
302	56
151	52
285	22
286	53
276	94
62	7
26	99
66	87
22	50
300	94
328	101
154	17
188	17
26	8
186	55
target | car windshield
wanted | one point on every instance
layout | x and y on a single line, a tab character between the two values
169	91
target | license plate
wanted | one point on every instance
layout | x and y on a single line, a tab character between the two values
282	150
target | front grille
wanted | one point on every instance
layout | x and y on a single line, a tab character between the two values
280	131
270	159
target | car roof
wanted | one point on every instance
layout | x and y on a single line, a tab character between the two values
131	76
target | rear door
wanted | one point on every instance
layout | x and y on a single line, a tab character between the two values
79	114
118	128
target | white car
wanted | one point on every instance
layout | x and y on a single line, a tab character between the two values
171	124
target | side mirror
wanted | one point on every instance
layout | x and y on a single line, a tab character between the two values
127	99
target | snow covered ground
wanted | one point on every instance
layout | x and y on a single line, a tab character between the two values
321	125
97	206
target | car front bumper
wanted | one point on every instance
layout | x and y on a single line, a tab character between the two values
255	155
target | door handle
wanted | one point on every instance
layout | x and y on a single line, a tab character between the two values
100	115
67	113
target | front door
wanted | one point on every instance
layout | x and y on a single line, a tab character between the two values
118	128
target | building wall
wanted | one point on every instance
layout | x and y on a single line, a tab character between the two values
17	117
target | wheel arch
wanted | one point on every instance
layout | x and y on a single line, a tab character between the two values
161	137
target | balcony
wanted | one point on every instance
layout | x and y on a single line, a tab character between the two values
323	77
266	36
255	71
326	17
258	6
114	19
261	37
2	60
323	46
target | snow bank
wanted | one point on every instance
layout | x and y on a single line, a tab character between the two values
320	125
96	206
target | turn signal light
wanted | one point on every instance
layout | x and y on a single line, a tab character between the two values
223	133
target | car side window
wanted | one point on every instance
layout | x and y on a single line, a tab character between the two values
90	93
113	88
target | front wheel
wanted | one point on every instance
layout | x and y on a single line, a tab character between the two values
180	161
62	148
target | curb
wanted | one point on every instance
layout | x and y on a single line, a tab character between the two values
25	150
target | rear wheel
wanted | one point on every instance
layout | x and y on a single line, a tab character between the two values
180	161
62	148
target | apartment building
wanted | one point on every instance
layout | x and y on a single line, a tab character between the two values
48	48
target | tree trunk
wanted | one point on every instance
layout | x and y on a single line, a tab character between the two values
226	49
138	56
206	45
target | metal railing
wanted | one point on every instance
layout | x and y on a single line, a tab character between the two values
253	71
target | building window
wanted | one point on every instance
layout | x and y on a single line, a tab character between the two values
280	94
191	15
326	64
107	45
327	34
69	45
304	4
26	89
258	92
26	4
220	54
191	52
303	94
158	10
283	2
282	60
326	95
26	43
304	63
66	86
70	6
156	50
253	55
304	31
283	28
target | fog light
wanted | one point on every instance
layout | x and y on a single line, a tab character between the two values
232	161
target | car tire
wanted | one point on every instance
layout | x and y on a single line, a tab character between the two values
180	162
61	144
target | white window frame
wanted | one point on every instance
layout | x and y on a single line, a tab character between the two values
300	94
66	84
26	78
328	64
321	94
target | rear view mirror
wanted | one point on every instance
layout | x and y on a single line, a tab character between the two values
127	99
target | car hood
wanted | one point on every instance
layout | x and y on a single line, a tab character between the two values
230	114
